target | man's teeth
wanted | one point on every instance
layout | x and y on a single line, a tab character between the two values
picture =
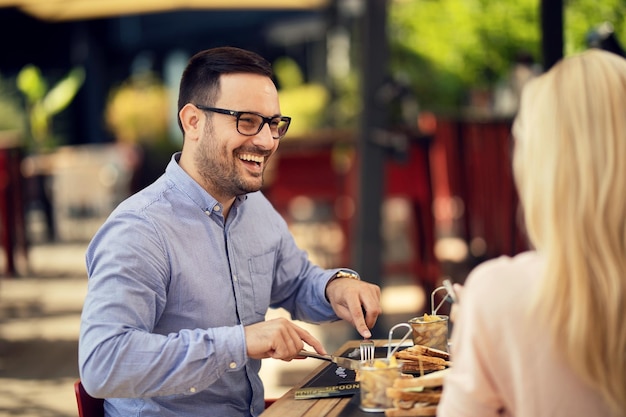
252	158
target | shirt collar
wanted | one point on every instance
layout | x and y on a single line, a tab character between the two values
189	186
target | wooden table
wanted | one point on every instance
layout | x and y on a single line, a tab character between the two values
287	405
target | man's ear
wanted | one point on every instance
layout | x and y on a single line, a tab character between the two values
191	121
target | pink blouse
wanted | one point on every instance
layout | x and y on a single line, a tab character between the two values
504	361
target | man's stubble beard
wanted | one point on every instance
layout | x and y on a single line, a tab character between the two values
218	169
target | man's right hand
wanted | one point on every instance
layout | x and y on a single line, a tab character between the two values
279	339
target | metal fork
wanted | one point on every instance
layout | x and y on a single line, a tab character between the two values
367	348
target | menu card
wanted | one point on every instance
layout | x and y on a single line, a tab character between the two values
332	381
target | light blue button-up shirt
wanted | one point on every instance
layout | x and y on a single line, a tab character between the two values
171	285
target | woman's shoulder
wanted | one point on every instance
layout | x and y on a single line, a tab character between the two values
505	274
519	263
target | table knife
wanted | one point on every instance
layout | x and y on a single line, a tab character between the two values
340	361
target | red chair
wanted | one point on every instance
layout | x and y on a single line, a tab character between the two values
88	406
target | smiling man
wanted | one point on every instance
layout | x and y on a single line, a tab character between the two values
181	274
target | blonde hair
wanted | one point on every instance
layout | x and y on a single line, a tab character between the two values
570	170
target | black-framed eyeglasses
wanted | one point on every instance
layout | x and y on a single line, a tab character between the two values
250	123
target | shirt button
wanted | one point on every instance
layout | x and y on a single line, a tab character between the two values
216	208
234	277
207	212
232	365
192	390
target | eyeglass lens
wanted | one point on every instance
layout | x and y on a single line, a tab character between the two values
251	124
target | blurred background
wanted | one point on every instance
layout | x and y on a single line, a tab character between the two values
397	162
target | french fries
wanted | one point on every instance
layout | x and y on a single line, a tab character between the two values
374	380
430	330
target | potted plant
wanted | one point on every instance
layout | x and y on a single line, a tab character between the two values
42	103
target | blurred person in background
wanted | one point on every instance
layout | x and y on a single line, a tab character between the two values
543	333
603	37
181	274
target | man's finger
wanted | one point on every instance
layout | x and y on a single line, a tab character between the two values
358	314
372	311
310	340
365	332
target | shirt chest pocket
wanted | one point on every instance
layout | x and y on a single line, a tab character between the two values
261	273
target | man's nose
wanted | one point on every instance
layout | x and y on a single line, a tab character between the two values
264	138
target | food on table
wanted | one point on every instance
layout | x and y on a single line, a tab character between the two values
430	330
416	396
428	351
420	359
428	318
374	379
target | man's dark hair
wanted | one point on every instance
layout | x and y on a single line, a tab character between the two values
200	82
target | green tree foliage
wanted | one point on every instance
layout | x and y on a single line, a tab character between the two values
581	16
447	47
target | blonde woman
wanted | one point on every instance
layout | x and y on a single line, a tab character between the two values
544	333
